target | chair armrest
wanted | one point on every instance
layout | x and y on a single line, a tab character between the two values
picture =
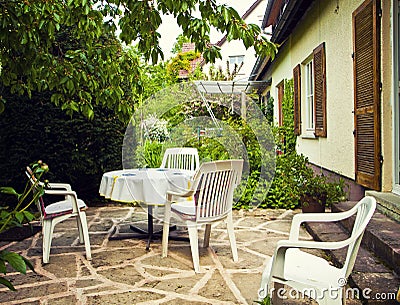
298	219
172	194
279	257
64	186
67	194
60	192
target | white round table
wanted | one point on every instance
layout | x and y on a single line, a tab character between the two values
147	185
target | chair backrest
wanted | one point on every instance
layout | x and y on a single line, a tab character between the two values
186	158
213	186
364	210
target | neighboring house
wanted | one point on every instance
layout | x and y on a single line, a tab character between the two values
234	52
344	59
186	47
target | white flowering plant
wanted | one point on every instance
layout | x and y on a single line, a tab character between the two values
155	129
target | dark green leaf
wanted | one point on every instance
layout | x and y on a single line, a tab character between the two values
7	283
15	260
8	190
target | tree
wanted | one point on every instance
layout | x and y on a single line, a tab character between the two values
32	57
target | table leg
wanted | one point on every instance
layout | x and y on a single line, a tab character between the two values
149	225
150	234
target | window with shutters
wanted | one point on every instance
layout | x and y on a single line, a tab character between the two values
310	93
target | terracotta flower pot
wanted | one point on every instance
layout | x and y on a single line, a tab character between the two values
310	204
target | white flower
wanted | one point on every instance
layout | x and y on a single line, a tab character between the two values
155	129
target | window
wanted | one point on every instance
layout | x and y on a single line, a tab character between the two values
238	59
313	96
309	95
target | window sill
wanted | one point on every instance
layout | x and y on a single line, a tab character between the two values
309	136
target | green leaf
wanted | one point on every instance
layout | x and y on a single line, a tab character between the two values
15	260
226	14
7	283
3	268
2	105
8	190
64	80
28	215
29	264
19	216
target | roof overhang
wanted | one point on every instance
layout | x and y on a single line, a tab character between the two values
284	15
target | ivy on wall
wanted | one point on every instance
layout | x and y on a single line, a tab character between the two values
285	138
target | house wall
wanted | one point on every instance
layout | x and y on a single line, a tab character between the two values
325	22
387	99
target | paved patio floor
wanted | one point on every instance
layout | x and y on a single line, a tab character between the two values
123	272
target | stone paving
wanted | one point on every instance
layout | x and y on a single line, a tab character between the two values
123	272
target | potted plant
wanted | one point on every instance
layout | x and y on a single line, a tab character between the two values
318	191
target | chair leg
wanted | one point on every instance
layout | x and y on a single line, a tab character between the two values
47	235
80	229
231	235
194	246
207	233
167	219
85	233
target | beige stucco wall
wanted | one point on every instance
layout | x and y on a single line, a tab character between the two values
387	97
326	23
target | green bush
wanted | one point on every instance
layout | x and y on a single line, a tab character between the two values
77	150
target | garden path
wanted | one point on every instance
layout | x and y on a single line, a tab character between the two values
123	272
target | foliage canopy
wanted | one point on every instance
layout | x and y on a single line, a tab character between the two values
90	69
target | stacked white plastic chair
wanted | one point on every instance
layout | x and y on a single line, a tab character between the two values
311	275
210	200
185	158
54	213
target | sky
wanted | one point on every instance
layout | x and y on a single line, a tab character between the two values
169	29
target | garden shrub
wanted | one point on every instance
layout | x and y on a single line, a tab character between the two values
77	150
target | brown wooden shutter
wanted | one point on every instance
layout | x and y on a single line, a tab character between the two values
297	100
319	90
366	67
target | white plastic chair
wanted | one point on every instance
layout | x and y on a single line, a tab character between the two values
54	213
212	197
186	158
311	275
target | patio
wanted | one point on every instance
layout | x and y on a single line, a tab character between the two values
123	272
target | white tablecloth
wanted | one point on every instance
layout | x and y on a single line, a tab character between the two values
148	185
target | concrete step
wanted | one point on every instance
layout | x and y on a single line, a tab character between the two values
388	203
375	274
382	236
